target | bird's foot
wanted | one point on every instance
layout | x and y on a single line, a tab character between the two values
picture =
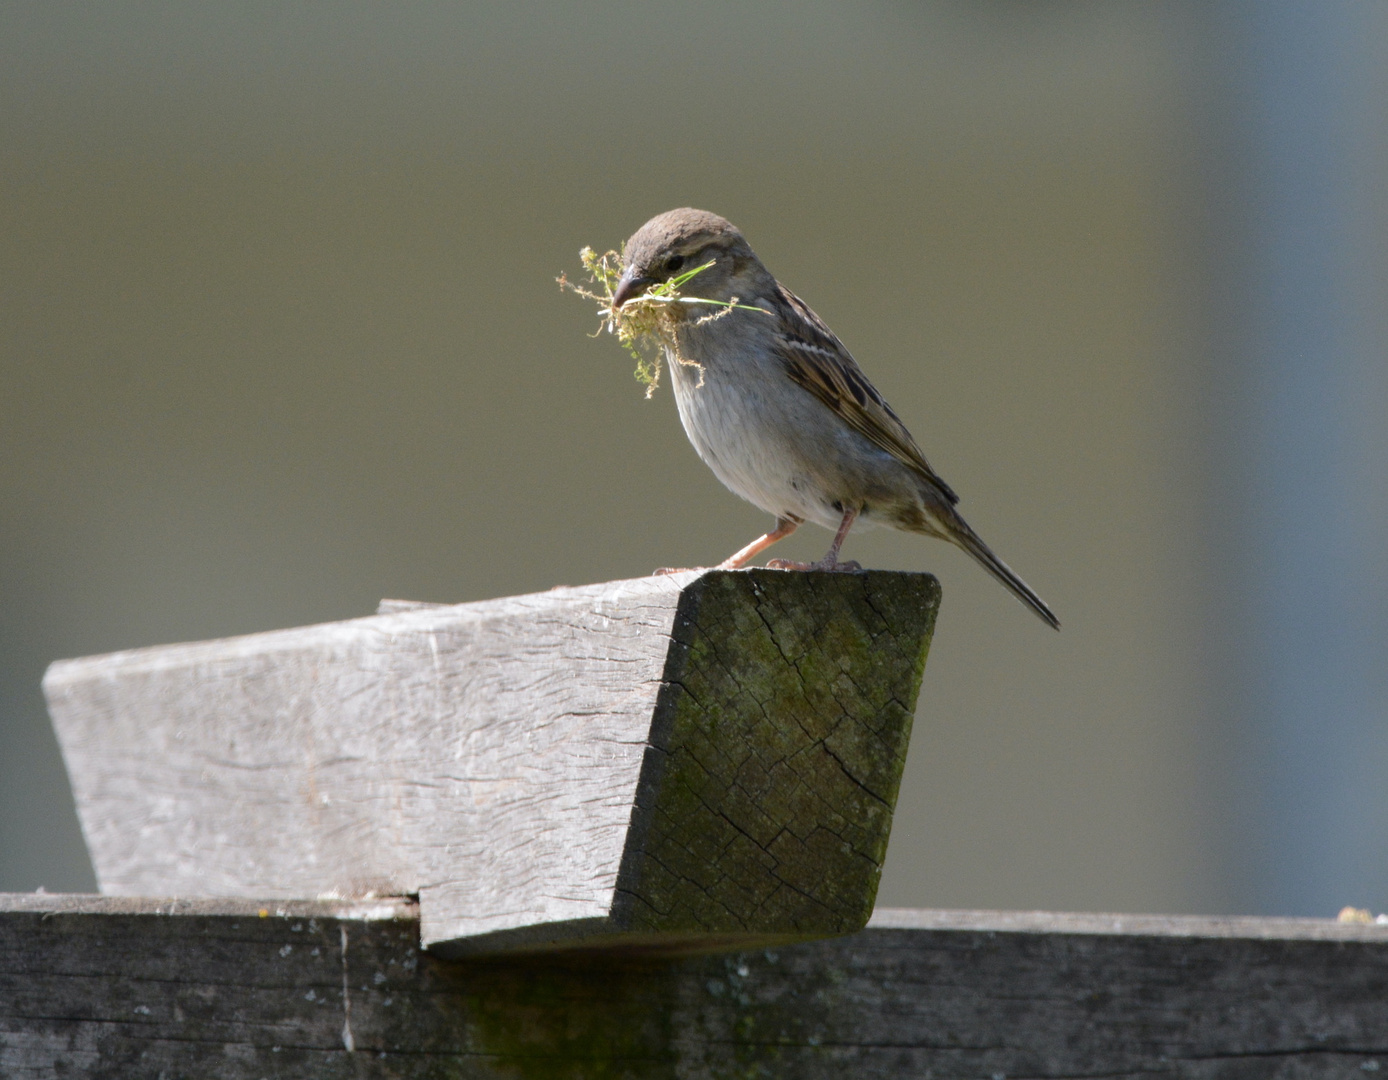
827	564
666	570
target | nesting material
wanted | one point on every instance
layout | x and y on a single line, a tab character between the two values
646	324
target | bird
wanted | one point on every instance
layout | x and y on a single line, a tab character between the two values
777	407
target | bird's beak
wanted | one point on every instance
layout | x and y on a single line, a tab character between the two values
632	284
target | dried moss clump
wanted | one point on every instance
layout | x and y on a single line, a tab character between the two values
645	324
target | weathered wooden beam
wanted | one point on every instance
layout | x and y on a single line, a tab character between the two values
240	990
692	761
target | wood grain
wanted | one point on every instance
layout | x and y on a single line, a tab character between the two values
697	760
110	987
485	755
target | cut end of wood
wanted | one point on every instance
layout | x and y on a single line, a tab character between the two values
678	764
777	752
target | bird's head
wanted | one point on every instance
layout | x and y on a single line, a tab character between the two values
677	241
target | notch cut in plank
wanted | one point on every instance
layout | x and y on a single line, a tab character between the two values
694	761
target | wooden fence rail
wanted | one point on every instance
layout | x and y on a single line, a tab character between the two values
234	990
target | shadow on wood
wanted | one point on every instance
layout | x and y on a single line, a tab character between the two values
691	762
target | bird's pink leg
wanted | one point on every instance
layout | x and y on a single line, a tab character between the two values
784	527
831	558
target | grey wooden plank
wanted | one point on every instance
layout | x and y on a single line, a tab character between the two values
49	904
681	762
87	993
484	754
251	758
1191	926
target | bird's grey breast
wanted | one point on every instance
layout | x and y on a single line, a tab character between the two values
743	416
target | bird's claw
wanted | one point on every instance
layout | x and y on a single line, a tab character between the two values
825	564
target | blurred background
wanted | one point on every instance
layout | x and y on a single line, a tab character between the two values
279	336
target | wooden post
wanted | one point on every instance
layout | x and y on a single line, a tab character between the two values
687	762
95	987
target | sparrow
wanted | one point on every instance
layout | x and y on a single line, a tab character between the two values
777	407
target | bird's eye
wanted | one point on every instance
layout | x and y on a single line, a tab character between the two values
673	263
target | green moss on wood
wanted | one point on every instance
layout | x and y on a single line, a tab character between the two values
594	1019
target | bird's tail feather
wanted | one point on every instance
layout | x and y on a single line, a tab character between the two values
969	540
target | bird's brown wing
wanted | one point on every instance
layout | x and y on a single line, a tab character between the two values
817	360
